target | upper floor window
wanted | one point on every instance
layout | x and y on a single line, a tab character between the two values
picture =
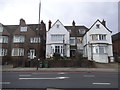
17	52
79	40
57	25
57	37
1	29
35	40
18	39
3	39
98	37
81	31
3	52
97	26
72	41
23	29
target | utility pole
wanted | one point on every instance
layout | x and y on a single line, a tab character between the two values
38	36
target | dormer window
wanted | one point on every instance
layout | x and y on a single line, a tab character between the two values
97	26
57	25
81	31
1	29
23	29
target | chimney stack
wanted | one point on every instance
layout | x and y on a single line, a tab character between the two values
22	22
73	23
104	22
49	24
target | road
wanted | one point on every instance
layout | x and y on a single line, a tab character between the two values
59	80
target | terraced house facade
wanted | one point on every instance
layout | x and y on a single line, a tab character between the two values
22	42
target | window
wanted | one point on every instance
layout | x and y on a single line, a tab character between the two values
57	25
94	37
3	39
102	37
97	26
81	31
72	41
99	37
61	49
99	49
1	29
57	49
31	54
23	29
35	40
79	40
17	52
57	37
18	39
3	52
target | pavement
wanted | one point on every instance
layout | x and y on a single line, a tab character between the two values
9	68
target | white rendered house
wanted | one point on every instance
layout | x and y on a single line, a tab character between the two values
98	44
57	40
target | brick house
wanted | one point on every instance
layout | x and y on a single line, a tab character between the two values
25	41
116	46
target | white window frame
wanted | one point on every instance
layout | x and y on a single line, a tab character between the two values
57	37
23	29
3	39
1	29
18	39
3	52
72	40
18	52
97	49
35	40
100	37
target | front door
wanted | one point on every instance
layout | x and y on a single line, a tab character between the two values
32	54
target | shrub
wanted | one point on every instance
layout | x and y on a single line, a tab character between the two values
56	56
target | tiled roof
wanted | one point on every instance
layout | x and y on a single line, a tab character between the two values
74	30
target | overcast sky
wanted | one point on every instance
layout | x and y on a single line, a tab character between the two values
83	12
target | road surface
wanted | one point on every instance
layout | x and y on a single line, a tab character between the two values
59	80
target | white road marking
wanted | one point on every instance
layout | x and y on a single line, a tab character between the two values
101	83
61	73
24	75
89	76
4	82
44	78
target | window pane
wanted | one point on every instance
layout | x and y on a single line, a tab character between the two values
57	37
18	39
3	52
23	29
1	29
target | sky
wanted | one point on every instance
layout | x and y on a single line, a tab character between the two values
83	12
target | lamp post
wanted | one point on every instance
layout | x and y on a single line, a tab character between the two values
38	64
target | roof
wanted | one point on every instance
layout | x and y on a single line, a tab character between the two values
116	37
101	23
12	28
75	30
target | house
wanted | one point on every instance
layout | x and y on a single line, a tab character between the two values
97	43
76	38
70	42
116	46
25	41
57	40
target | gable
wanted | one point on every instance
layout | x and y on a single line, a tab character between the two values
57	27
98	28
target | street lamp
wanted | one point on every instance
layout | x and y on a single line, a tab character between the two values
38	63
